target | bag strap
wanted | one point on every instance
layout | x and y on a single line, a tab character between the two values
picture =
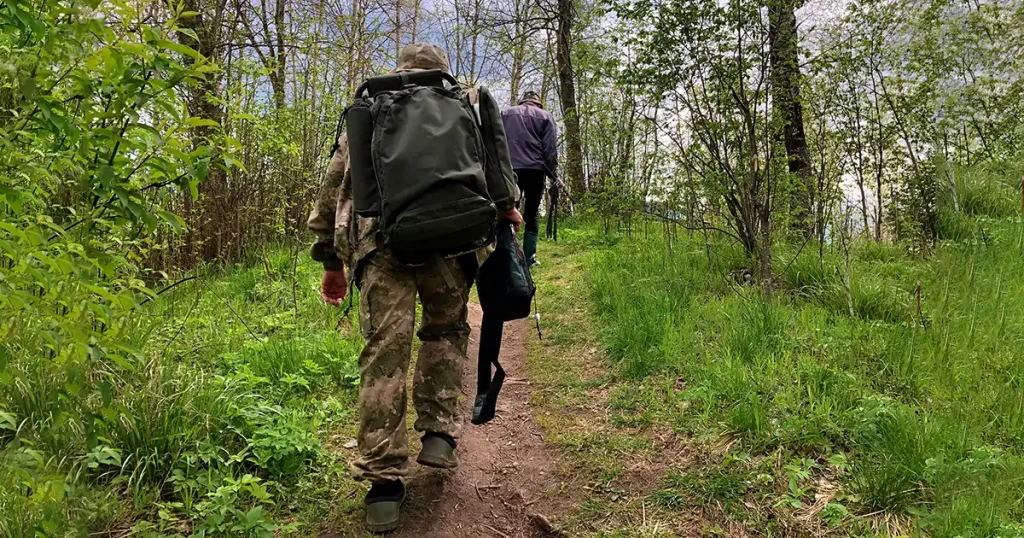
487	388
497	166
337	132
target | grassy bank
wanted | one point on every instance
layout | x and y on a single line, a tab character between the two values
845	407
228	418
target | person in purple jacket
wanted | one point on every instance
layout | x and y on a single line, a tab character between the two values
532	144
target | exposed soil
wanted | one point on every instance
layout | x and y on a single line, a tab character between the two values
505	467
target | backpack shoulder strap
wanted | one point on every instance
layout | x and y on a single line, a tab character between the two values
396	81
501	182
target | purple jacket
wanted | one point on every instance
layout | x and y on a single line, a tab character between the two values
532	137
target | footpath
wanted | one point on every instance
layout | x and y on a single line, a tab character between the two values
505	467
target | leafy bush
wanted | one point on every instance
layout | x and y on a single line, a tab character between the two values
118	404
279	440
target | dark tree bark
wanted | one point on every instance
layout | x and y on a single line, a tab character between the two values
567	94
276	57
788	109
206	24
204	239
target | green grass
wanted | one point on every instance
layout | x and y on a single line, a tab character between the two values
700	487
230	416
929	408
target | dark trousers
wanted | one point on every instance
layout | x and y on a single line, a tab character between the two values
531	183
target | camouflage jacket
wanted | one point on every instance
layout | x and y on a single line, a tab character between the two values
343	239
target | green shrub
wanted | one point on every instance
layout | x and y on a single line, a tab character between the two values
889	475
279	439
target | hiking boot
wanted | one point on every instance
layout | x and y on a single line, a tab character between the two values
383	504
438	451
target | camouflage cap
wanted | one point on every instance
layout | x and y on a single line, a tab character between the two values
422	56
531	97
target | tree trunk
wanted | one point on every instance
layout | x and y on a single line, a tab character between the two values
474	35
545	82
203	102
879	160
277	77
788	109
398	29
355	49
415	21
516	78
518	57
567	93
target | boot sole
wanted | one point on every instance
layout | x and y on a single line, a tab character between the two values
383	528
437	463
387	526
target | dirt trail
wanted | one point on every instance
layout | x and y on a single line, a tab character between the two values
505	466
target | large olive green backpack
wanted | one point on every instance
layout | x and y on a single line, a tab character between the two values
427	163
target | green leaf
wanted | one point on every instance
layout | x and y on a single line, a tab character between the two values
8	421
189	32
202	170
184	50
121	361
176	222
55	118
103	455
137	49
195	121
26	19
106	176
137	211
207	68
14	199
27	85
51	341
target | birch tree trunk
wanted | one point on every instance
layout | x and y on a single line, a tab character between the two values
567	93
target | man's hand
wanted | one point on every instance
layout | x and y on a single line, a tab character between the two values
334	287
512	216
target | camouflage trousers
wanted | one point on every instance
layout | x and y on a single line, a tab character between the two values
387	312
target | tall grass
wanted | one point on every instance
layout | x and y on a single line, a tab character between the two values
928	406
240	370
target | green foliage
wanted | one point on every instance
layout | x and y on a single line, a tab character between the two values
235	508
95	140
280	440
240	388
925	406
93	132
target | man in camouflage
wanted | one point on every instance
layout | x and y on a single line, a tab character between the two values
387	309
